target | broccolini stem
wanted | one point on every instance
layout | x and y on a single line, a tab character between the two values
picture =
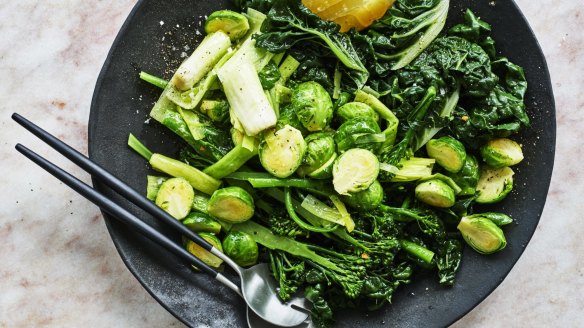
154	80
418	251
266	180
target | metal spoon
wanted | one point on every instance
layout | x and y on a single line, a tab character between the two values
258	287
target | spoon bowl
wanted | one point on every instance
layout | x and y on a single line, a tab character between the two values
259	290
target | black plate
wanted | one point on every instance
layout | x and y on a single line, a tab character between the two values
121	104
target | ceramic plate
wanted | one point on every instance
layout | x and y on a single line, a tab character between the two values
156	36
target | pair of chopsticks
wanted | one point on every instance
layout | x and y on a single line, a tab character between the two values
112	207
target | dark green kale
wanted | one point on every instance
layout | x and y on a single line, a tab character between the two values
269	75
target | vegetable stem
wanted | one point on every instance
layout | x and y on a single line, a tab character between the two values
418	251
154	80
135	144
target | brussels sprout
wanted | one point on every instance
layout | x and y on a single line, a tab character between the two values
203	254
494	184
233	24
410	169
313	105
448	152
281	151
499	219
356	109
241	248
367	199
468	177
355	170
502	152
359	132
231	204
201	222
216	110
482	234
435	192
320	147
175	196
326	170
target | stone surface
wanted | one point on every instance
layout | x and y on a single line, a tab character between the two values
58	266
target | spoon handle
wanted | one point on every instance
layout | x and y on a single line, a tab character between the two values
123	215
111	181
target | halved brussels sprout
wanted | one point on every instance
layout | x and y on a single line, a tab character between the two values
355	170
367	199
435	192
313	106
482	234
410	169
175	196
359	132
241	248
232	23
494	184
281	151
502	152
356	109
499	219
203	254
448	152
320	147
201	222
468	177
231	204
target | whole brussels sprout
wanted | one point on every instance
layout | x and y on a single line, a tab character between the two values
241	248
356	109
367	199
313	105
359	132
320	148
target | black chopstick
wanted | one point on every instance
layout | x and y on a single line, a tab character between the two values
120	213
109	179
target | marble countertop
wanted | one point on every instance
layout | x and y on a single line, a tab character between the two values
58	265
